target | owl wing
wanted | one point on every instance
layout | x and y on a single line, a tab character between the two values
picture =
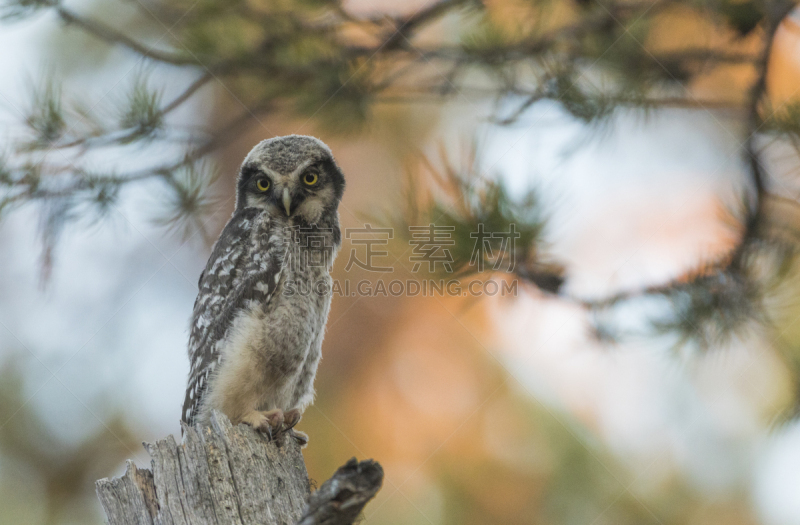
245	265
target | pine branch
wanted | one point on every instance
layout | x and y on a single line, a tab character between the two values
557	57
756	213
112	36
188	92
777	11
404	27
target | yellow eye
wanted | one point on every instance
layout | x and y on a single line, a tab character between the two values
310	178
262	184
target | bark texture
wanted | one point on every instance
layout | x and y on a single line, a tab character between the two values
226	475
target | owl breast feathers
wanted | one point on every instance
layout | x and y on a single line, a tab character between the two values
264	296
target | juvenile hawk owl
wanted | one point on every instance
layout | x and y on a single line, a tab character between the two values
260	314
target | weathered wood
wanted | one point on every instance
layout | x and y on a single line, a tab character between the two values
226	475
130	497
219	475
340	500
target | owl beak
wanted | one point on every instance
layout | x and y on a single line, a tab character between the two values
287	201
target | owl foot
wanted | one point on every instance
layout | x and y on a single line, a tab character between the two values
291	418
269	421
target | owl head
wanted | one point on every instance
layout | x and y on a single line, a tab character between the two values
293	175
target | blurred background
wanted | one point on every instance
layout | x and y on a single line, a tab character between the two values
646	372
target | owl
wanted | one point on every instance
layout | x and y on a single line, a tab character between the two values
264	296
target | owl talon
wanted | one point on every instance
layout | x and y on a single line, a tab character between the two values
291	418
273	420
270	421
300	437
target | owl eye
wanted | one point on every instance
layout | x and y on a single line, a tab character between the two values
310	178
262	184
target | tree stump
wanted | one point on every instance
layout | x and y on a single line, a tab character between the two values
226	475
